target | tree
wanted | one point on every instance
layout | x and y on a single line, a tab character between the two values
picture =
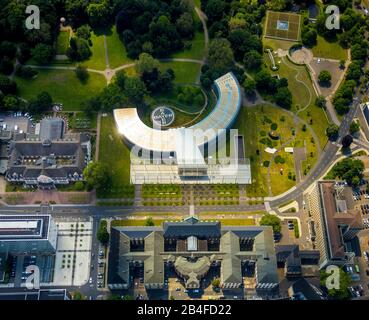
332	131
185	25
120	78
354	127
344	281
97	175
79	49
348	169
84	32
134	89
249	86
273	221
214	9
252	60
102	233
215	283
82	73
346	141
324	77
149	222
7	86
146	63
309	36
283	97
220	56
6	66
77	295
7	49
99	13
43	102
43	53
320	102
25	72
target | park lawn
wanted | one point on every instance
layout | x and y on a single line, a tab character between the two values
116	50
97	60
185	72
116	158
277	43
197	49
276	177
329	50
246	124
63	86
62	43
303	96
255	123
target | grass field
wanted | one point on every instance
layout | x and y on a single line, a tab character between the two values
255	124
185	72
63	86
97	60
62	42
117	158
197	49
116	50
329	50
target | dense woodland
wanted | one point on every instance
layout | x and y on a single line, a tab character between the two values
156	29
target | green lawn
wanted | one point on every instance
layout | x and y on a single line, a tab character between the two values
255	123
97	60
303	96
117	158
197	49
63	86
116	50
329	50
185	72
62	42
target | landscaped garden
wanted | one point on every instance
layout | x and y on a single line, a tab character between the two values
256	125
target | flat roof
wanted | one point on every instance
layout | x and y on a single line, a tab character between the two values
21	227
137	133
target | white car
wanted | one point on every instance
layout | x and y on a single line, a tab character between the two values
90	281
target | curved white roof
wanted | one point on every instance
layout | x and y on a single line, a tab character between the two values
136	132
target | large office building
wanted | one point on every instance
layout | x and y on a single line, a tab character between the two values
31	234
191	248
336	222
178	153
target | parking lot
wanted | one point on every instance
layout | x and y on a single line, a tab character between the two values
361	200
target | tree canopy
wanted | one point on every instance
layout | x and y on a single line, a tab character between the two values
273	221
